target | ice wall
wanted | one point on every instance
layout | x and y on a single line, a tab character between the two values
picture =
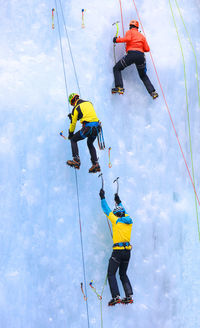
41	261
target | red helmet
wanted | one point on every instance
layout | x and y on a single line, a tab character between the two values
134	23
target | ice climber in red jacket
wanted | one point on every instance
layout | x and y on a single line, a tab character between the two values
136	46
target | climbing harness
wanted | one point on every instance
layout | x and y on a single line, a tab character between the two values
109	163
125	244
90	128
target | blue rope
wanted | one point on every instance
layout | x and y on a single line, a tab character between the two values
70	48
61	50
79	213
81	237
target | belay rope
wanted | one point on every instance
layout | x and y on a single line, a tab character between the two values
166	104
193	50
76	179
187	102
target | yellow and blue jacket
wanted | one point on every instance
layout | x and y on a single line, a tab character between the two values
121	227
83	111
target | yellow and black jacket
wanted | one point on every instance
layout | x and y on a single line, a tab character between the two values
121	227
83	111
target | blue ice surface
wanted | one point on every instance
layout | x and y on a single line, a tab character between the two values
40	248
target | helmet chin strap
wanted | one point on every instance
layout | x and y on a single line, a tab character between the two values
132	26
119	214
74	103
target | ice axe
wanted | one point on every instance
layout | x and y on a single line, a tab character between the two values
116	180
116	35
101	175
116	23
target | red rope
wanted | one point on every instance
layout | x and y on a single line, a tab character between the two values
121	16
176	134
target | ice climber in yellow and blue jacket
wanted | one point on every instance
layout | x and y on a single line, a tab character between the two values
121	227
84	111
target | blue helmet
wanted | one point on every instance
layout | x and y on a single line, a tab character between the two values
119	211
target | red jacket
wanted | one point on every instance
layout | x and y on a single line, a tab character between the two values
134	41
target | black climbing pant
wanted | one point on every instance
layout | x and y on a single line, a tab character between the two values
137	58
86	132
119	259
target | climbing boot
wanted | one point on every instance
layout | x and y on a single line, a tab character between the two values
154	95
118	90
95	168
127	300
115	300
75	162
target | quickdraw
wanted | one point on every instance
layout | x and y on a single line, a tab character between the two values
83	25
85	298
53	26
61	134
109	164
95	291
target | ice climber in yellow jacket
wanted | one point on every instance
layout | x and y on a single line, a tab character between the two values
121	227
83	111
